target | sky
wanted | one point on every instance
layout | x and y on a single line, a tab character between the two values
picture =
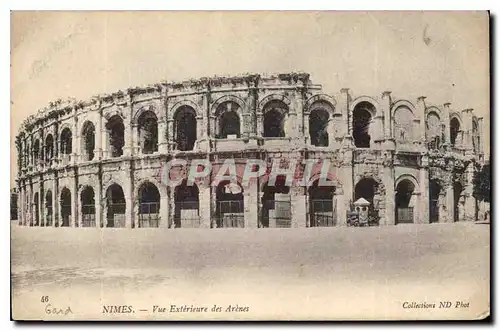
441	55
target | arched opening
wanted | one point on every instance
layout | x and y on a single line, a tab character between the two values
66	143
369	189
475	136
229	205
454	130
275	119
403	125
116	131
88	207
148	132
88	134
115	211
48	208
229	125
434	193
434	130
276	205
322	205
36	203
318	127
36	152
49	149
458	202
362	117
405	201
185	128
66	207
187	206
149	206
13	206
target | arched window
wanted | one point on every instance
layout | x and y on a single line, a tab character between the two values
454	130
148	132
36	152
65	206
116	131
66	141
276	205
48	208
149	206
49	149
403	125
229	205
228	121
404	207
88	207
275	113
318	127
185	128
115	207
187	206
434	194
362	117
88	141
434	130
322	205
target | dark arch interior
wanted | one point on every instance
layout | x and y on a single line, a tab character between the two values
361	124
37	209
229	205
454	129
404	192
276	205
321	205
148	132
48	207
318	127
116	131
274	119
434	192
65	206
115	215
185	123
187	206
88	207
36	151
66	141
149	206
229	124
457	192
366	188
49	149
89	141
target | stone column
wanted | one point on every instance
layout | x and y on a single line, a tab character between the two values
298	120
467	129
339	199
74	208
205	203
446	120
98	206
171	204
129	199
390	194
98	138
251	200
298	206
128	147
424	191
347	179
449	215
345	125
470	203
386	109
481	137
162	141
170	129
55	200
164	209
41	204
104	139
213	205
421	130
75	155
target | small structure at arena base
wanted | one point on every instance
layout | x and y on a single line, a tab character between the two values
98	163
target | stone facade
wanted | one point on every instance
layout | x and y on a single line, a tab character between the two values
98	163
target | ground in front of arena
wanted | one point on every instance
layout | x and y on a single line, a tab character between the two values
313	273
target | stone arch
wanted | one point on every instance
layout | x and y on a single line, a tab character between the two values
410	178
367	99
276	204
225	98
48	204
112	113
275	115
403	103
115	205
115	125
186	205
88	133
147	131
148	199
144	109
455	128
317	100
330	178
49	148
162	188
229	206
66	204
458	117
363	114
228	120
189	103
87	198
66	139
274	97
185	127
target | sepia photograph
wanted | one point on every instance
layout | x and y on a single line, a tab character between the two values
250	165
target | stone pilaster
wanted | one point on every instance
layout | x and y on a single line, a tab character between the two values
386	110
129	199
98	206
55	200
299	121
345	126
390	195
446	120
339	202
251	204
205	204
98	138
449	214
481	137
470	201
162	141
424	191
298	206
128	147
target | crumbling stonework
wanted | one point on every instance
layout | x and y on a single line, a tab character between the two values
98	163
